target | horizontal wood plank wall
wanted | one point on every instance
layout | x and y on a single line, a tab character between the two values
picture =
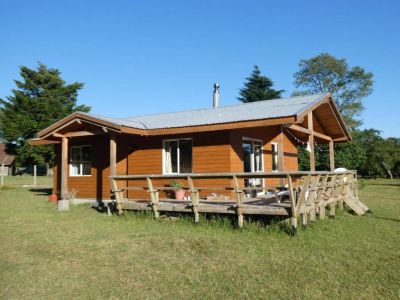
211	153
267	135
97	184
138	155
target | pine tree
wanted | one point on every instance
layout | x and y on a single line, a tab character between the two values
40	99
258	87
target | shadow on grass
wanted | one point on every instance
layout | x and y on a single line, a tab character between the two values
388	219
252	222
41	191
383	184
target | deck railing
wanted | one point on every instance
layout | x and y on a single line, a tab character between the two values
309	193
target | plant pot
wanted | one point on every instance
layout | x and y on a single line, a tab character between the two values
53	198
180	194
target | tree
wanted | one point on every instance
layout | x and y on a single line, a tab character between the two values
41	98
368	153
325	73
258	87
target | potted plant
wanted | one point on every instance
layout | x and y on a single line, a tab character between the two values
178	188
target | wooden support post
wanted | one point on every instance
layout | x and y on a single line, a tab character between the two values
311	141
34	175
64	168
239	201
331	156
194	194
153	198
292	198
113	154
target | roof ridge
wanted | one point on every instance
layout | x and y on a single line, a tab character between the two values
217	108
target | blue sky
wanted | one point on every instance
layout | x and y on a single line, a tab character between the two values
144	57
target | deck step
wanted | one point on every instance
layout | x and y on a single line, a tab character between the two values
356	205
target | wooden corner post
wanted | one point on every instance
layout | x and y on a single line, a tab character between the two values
311	140
331	156
113	154
64	167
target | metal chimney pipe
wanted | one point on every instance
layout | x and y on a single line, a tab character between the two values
216	95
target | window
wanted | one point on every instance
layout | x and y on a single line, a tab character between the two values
252	155
275	161
177	156
80	161
252	162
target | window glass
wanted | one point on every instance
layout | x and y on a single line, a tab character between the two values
75	153
74	169
86	153
80	160
178	156
185	156
247	156
275	165
171	157
257	150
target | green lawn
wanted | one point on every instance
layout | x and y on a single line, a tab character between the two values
85	254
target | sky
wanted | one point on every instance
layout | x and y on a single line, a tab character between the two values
147	57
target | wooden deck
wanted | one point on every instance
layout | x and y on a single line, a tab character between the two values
309	195
249	207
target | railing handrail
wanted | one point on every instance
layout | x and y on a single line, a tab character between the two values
229	175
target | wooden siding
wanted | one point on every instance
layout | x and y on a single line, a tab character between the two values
215	151
267	135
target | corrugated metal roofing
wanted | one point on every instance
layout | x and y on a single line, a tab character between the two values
267	109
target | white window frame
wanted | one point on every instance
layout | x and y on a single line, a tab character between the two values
252	154
273	157
81	163
178	158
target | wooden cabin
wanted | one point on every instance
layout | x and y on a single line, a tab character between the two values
253	137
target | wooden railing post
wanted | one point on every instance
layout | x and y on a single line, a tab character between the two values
292	198
302	199
334	195
344	186
118	194
239	201
195	197
312	197
153	198
321	197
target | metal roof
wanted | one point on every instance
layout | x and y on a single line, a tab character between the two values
267	109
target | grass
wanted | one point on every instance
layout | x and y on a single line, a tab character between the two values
85	254
19	181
